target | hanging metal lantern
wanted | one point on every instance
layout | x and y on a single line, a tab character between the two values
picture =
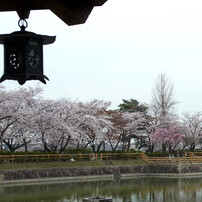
23	55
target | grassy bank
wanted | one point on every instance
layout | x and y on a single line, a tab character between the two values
66	164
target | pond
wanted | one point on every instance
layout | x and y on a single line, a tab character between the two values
126	190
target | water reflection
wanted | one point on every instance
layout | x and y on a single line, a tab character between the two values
131	190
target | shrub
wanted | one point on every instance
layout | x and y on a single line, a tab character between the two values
72	150
23	153
157	154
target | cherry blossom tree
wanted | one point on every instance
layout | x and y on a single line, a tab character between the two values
193	130
26	119
135	128
6	114
170	138
19	121
94	123
55	125
116	133
134	113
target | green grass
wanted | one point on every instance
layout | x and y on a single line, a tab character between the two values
34	165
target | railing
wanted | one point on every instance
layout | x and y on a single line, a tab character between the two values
189	158
175	160
68	157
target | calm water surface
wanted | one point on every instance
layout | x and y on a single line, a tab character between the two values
131	190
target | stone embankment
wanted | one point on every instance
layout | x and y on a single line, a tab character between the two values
93	173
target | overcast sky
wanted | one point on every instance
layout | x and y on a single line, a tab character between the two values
120	50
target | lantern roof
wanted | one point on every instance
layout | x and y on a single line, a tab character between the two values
46	39
72	12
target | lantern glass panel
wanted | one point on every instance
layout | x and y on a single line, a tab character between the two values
34	56
13	56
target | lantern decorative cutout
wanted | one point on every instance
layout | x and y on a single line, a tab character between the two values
23	55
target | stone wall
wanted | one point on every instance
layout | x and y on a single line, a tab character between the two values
9	175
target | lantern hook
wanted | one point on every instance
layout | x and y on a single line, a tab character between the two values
23	24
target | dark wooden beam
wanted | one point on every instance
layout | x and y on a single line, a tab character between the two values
99	2
70	11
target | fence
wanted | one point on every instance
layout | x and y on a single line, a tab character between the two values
189	158
67	157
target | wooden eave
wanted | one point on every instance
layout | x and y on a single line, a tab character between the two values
70	11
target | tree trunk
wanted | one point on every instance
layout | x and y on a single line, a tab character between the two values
77	146
163	148
116	145
63	147
150	148
128	144
192	148
93	148
25	146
